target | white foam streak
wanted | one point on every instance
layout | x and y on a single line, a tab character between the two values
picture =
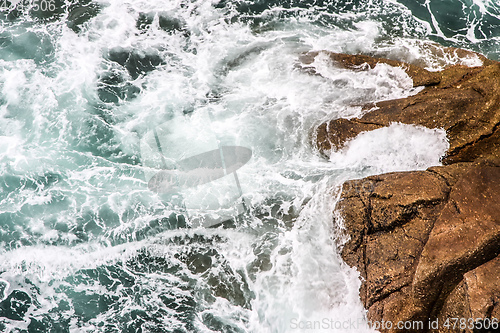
435	23
308	284
48	263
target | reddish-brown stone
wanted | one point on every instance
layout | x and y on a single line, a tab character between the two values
464	101
427	243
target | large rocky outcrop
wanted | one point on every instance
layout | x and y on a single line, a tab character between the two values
427	243
464	101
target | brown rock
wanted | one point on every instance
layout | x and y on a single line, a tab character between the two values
483	286
465	102
420	76
456	306
466	234
476	297
427	243
345	129
416	236
389	218
396	201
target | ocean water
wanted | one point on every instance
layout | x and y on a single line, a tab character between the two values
86	246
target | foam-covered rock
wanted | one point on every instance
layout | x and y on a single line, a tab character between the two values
462	100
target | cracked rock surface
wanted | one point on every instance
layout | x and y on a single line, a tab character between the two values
427	243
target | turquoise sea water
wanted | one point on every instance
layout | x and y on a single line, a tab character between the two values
85	246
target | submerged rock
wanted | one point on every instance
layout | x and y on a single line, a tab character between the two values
135	62
427	243
165	22
81	12
15	305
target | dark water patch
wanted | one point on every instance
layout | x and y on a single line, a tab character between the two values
3	290
231	285
88	306
57	320
277	210
462	22
252	12
196	239
114	88
259	6
59	226
174	26
156	226
104	112
221	278
183	305
247	7
16	305
218	324
88	302
201	259
13	234
80	12
109	276
146	261
143	321
51	200
46	323
16	227
165	22
92	224
235	61
136	62
47	10
178	297
270	15
263	249
114	85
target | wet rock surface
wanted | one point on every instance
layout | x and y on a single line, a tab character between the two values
427	243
